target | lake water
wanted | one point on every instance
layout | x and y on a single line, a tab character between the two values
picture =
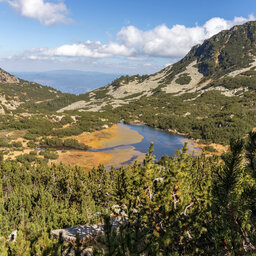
164	142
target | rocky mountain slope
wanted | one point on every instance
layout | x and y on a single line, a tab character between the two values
223	59
7	78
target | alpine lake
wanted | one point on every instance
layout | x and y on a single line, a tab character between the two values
122	144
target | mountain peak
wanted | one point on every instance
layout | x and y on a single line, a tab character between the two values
227	51
220	63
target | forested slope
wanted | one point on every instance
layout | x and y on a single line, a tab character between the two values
208	95
180	206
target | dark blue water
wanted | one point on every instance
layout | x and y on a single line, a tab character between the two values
164	142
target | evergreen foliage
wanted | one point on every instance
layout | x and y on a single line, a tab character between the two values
183	79
183	205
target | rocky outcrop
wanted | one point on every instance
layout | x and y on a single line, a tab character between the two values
7	78
87	232
84	232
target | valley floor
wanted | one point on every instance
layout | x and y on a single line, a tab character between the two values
111	137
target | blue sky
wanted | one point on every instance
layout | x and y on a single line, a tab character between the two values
136	36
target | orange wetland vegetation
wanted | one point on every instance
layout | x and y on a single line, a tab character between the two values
107	138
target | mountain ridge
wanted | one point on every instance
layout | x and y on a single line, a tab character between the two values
214	59
16	92
208	95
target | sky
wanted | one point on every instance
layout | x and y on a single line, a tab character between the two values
111	36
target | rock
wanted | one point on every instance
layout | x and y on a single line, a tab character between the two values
13	236
7	78
84	232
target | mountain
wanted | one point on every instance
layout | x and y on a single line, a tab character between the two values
69	81
209	94
212	65
15	93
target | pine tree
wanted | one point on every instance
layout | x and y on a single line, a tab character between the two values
251	151
230	184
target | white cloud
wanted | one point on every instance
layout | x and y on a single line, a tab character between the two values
47	13
137	45
177	40
89	49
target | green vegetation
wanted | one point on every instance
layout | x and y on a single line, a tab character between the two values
127	79
236	82
49	154
223	52
4	142
26	158
212	117
66	144
19	97
180	206
183	79
52	105
132	96
210	149
29	91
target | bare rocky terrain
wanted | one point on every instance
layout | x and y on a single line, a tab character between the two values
7	78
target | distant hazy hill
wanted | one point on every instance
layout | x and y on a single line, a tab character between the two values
69	81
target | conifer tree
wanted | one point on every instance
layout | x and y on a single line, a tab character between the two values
251	151
229	208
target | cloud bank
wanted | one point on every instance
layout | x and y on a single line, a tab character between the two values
90	49
47	13
131	42
175	41
132	51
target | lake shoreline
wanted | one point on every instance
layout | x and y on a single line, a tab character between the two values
196	142
124	142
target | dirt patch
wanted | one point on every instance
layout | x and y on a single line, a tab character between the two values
220	148
13	154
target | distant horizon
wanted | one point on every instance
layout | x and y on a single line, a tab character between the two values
135	37
72	70
69	81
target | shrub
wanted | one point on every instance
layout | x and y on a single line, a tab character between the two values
183	79
210	149
31	144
